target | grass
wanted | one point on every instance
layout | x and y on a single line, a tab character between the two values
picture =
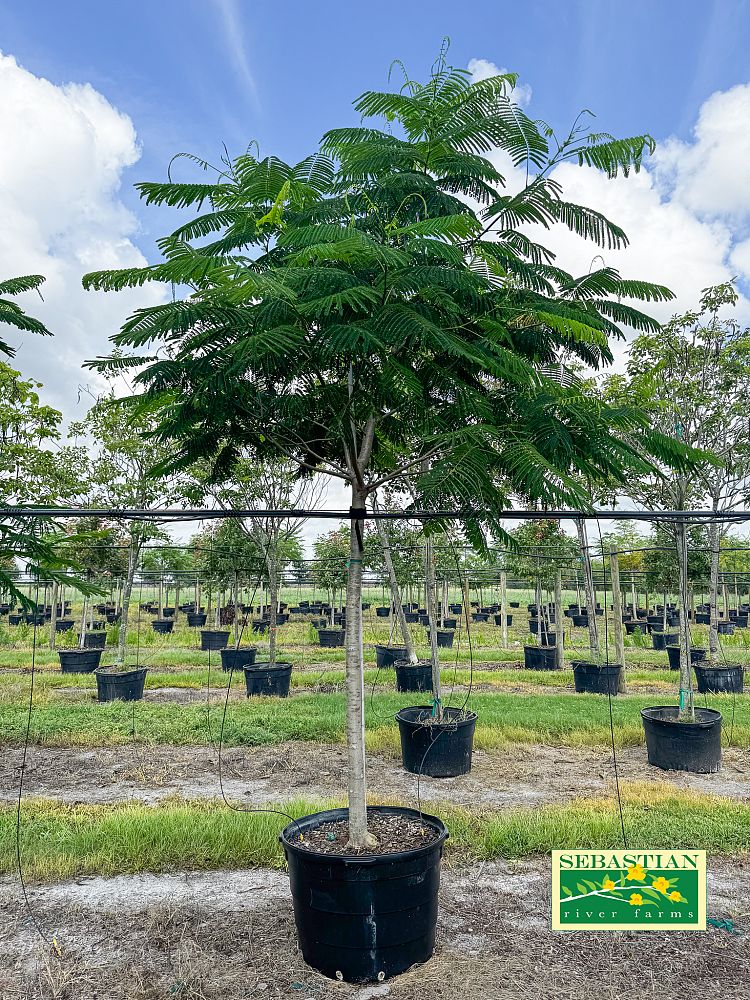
555	719
65	841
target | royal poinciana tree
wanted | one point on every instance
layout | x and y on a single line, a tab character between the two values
381	312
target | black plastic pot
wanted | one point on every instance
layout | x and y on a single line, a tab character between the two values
702	619
424	620
631	627
413	676
237	659
196	619
123	685
673	652
15	619
386	656
35	618
113	617
261	627
661	640
262	678
412	617
480	616
64	624
683	746
580	621
438	750
331	637
445	638
214	638
499	619
162	626
595	679
382	612
540	657
94	640
725	628
79	661
728	679
168	612
550	639
455	609
514	604
364	918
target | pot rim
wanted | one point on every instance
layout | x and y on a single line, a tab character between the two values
110	671
470	717
359	860
708	717
265	666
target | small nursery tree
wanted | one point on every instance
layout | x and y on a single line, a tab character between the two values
380	311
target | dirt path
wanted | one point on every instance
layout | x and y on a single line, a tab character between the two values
514	775
230	936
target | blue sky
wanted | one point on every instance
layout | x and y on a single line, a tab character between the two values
192	74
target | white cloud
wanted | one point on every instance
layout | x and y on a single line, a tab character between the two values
65	149
709	174
483	69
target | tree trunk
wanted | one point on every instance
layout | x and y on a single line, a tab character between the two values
53	617
396	601
161	597
359	837
588	581
235	599
713	594
431	604
540	624
617	619
273	595
687	708
127	590
504	609
559	647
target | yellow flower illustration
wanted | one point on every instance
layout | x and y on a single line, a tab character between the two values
636	873
608	884
636	899
675	897
660	884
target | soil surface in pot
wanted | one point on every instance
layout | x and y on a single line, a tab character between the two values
393	832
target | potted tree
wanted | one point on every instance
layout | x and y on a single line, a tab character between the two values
329	572
374	332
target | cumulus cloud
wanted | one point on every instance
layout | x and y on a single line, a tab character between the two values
66	148
483	69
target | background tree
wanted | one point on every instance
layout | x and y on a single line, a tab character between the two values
381	311
694	377
330	571
119	469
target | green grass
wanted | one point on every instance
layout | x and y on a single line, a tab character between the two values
63	841
556	719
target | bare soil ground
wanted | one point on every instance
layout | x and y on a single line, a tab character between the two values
514	775
230	936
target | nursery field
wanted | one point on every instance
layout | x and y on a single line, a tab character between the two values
148	874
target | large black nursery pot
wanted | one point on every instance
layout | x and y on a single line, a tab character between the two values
413	676
540	657
15	619
683	746
450	623
440	750
163	625
79	661
196	619
331	637
635	626
580	621
594	678
550	639
64	624
262	678
237	659
499	619
261	626
364	918
386	656
726	679
444	637
673	652
125	685
514	604
94	640
214	638
662	640
480	616
725	628
382	612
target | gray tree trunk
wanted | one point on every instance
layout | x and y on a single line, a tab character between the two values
504	609
359	836
431	604
687	707
53	617
713	594
396	601
127	590
617	620
559	647
588	581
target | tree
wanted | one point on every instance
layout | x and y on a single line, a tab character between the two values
121	473
379	312
694	377
272	485
540	548
330	570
